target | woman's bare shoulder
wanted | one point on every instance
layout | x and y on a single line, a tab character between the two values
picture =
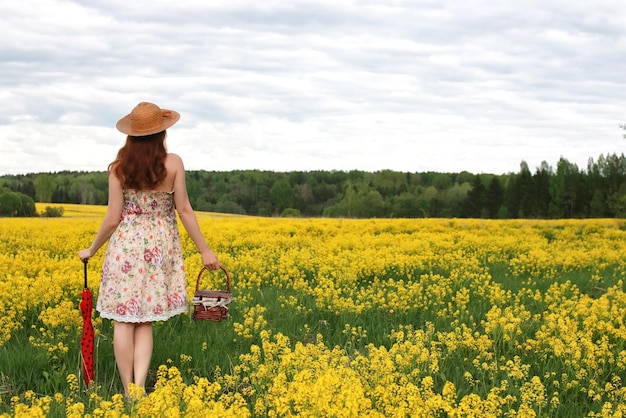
171	155
173	159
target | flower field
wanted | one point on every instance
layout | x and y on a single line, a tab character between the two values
336	317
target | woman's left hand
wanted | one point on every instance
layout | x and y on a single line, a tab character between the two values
85	255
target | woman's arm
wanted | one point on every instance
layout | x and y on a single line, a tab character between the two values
111	219
186	213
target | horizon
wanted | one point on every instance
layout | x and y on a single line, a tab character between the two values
187	170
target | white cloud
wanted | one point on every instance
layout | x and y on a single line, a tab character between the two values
305	85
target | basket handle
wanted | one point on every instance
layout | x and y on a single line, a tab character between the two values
221	268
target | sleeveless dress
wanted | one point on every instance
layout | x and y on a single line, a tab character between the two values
143	276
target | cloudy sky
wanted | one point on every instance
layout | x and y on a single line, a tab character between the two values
408	85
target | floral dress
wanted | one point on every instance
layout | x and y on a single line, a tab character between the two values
143	277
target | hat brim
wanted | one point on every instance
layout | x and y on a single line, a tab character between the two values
170	117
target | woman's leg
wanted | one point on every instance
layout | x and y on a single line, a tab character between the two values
123	348
142	352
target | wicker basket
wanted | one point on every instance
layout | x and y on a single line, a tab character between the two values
211	305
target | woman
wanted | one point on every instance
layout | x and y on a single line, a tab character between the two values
143	278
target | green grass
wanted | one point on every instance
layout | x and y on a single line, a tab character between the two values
216	345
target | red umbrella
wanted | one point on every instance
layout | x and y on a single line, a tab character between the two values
86	342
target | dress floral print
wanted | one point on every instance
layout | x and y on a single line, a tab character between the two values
143	277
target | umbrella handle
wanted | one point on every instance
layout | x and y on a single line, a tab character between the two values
85	264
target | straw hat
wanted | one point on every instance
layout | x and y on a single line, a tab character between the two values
147	119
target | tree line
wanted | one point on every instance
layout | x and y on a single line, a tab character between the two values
564	191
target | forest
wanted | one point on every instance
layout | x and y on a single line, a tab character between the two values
547	192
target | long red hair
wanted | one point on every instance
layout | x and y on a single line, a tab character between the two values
140	163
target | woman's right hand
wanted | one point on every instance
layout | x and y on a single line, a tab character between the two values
210	261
